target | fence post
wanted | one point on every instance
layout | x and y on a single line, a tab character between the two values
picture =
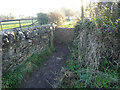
19	24
32	21
82	10
1	25
51	34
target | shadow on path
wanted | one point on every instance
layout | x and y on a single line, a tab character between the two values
45	77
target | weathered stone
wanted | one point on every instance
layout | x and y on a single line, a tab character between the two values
19	44
5	40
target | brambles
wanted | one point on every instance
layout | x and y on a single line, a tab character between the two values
96	64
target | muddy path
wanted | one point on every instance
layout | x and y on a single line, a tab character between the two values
46	76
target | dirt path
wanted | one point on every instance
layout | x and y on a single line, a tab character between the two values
45	77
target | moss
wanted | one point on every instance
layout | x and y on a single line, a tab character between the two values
13	79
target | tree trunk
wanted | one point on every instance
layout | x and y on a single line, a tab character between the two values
82	10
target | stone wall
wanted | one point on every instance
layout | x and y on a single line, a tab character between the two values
19	44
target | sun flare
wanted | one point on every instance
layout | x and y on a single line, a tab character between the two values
32	7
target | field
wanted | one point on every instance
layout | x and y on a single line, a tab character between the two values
70	24
15	24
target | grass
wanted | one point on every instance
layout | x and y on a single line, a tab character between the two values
14	79
15	24
70	24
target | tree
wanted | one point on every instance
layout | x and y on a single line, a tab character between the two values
10	16
82	10
56	17
7	17
42	18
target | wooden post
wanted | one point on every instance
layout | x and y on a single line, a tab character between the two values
1	26
90	10
51	36
32	22
82	10
19	24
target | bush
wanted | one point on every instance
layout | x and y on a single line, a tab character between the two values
56	17
96	63
42	18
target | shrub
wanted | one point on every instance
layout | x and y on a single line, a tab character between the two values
56	17
42	18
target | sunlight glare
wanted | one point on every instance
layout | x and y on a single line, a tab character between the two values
32	7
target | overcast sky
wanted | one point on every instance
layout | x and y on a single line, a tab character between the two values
32	7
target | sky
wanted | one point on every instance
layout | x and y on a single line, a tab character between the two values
32	7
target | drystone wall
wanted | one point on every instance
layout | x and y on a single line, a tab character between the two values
19	44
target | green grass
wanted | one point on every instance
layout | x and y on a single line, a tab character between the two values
14	79
70	25
15	24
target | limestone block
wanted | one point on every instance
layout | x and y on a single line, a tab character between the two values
5	40
19	44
